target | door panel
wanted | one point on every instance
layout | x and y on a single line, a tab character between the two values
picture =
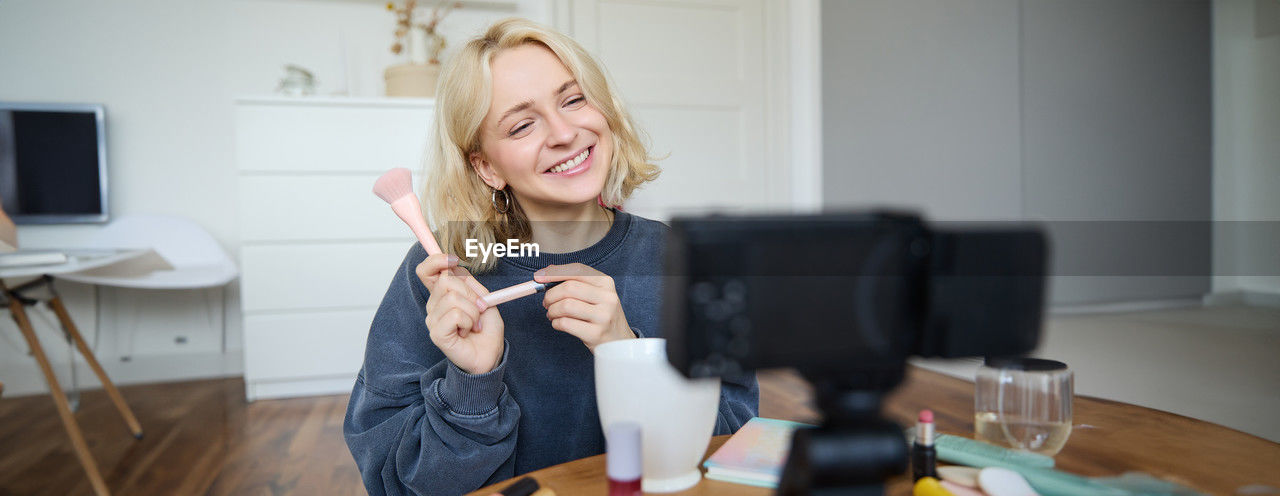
693	75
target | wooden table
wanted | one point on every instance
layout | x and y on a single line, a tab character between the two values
1108	439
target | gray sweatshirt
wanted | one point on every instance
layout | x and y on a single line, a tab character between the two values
417	424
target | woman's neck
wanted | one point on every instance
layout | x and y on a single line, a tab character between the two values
568	229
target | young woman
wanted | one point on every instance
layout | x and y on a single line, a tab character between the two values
530	143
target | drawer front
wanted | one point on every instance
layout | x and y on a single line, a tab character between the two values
330	138
311	344
320	276
311	208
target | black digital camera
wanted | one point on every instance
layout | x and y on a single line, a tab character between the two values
845	299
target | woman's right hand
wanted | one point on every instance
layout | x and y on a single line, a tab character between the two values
469	335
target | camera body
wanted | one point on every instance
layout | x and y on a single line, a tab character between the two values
846	293
845	299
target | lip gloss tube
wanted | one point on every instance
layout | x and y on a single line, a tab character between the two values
515	292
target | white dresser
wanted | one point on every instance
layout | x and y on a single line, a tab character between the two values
318	249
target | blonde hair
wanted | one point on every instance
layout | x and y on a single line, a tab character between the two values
460	204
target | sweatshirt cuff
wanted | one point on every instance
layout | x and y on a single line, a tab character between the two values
473	394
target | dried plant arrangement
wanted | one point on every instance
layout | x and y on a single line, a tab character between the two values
405	15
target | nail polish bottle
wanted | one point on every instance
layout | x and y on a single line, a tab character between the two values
623	460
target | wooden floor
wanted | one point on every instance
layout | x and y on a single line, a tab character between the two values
202	437
199	438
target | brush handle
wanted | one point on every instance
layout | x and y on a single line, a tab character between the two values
409	211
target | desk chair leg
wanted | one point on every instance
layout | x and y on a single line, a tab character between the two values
70	327
59	400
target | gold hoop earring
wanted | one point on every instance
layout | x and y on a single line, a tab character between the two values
506	199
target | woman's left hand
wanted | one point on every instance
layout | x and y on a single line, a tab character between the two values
585	304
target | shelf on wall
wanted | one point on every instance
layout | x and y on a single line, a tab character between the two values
335	101
492	5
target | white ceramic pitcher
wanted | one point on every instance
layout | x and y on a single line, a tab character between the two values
634	382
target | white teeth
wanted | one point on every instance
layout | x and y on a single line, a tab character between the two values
571	163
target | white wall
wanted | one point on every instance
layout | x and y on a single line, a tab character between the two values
167	72
1246	159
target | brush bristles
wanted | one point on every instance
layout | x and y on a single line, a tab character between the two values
394	185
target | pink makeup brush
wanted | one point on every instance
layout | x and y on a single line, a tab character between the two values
396	188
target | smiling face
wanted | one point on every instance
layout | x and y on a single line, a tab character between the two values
541	136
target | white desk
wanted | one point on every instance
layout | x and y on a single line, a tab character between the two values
79	260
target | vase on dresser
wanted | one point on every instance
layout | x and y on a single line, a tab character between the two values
412	80
417	78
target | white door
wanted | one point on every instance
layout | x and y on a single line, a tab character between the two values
697	77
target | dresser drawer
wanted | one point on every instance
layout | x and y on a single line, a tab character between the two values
304	345
317	276
311	208
311	138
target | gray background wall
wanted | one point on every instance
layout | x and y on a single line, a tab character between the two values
1117	126
1090	110
920	106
